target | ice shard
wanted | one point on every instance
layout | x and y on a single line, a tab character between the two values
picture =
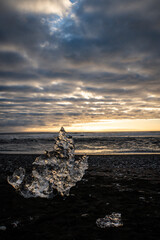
56	171
113	220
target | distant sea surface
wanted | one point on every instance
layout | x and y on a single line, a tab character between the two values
89	143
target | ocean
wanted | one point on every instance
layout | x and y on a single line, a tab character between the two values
88	143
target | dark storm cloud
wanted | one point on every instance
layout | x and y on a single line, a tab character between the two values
10	59
60	88
21	29
100	57
120	33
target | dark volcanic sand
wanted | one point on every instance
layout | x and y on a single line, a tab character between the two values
126	184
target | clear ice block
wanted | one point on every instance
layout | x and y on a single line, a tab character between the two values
56	171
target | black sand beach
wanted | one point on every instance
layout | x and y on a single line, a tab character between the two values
126	184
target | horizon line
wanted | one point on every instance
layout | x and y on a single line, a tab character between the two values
81	131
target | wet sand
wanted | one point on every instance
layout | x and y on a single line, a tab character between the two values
126	184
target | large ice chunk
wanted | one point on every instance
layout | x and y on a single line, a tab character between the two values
56	171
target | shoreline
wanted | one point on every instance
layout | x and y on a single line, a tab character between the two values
125	184
80	154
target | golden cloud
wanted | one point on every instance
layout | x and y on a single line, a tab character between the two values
60	7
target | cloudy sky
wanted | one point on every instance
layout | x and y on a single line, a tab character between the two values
90	65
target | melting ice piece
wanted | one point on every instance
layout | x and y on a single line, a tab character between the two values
113	220
17	178
3	228
55	171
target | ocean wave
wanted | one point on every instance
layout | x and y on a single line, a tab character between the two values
89	143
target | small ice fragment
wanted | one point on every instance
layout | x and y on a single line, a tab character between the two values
15	224
84	215
17	178
113	220
3	228
142	198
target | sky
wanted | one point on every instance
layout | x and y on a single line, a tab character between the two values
87	65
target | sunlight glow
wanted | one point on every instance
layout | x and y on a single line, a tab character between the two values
118	125
102	125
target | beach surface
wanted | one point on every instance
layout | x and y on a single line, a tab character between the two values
126	184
